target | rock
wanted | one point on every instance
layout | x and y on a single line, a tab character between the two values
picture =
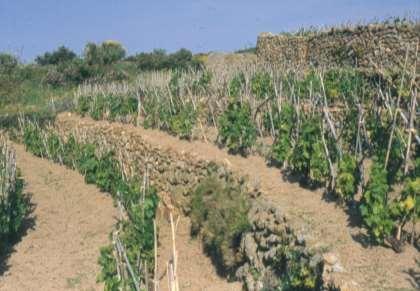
330	259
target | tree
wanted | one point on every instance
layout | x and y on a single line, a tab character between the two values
106	53
59	56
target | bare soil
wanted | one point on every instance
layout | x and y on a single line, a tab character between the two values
195	270
72	221
312	213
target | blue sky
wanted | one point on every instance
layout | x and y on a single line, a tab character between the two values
29	27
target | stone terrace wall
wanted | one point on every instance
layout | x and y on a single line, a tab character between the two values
178	173
372	46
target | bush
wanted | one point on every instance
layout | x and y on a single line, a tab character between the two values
13	204
236	129
59	56
236	85
87	163
219	212
262	86
182	123
308	156
33	139
7	63
158	59
346	178
105	53
282	146
407	207
112	107
374	205
296	270
108	173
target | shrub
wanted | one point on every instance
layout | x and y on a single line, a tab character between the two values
71	151
236	129
346	178
202	85
262	85
87	163
183	122
105	53
112	107
308	156
137	236
296	270
158	59
7	63
236	85
54	146
374	205
13	204
59	56
219	212
282	146
108	173
407	207
33	139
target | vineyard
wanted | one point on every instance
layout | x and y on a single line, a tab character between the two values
323	126
290	178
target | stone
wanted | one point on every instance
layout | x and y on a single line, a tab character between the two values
330	258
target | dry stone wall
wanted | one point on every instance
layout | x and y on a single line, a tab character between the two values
372	46
176	174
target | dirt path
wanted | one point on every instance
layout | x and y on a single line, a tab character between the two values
72	221
322	222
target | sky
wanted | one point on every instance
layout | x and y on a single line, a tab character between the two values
29	28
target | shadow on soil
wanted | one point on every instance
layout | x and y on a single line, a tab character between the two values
354	219
7	248
414	274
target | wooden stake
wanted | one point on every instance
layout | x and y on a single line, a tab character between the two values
410	130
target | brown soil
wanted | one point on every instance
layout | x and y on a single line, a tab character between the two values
195	271
323	223
72	221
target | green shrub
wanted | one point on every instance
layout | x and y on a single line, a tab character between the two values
33	139
374	205
137	236
219	212
109	106
308	156
8	63
59	56
158	59
108	173
105	53
407	207
87	163
262	85
282	146
236	85
70	152
347	177
296	270
202	85
236	129
182	123
13	204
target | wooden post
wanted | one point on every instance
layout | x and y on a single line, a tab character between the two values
155	278
410	130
